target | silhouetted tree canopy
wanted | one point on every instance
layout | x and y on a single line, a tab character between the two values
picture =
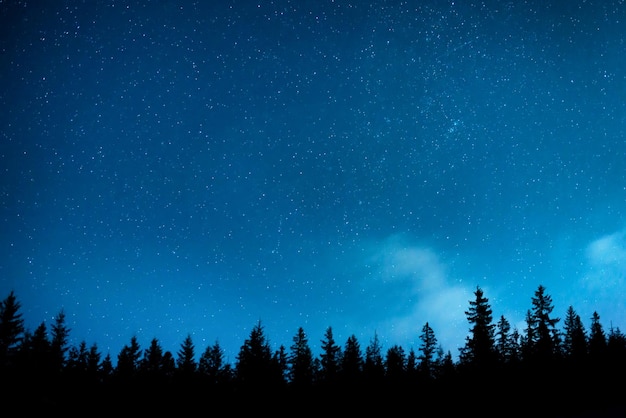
48	371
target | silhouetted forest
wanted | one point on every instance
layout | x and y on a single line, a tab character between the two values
553	367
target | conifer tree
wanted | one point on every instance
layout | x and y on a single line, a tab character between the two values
152	362
254	362
395	363
428	349
212	364
128	359
503	340
479	349
77	359
36	353
185	360
11	330
169	365
597	338
445	366
574	338
616	350
93	362
411	364
543	341
373	367
279	366
58	343
352	360
106	367
329	358
300	361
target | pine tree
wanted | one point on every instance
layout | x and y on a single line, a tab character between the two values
152	363
300	361
106	368
11	330
445	366
185	360
597	338
77	360
254	364
169	365
428	349
542	332
352	360
373	367
411	365
37	352
58	343
212	365
479	349
395	364
279	366
93	363
128	360
616	350
329	358
575	338
503	340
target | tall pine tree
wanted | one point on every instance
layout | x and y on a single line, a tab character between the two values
479	350
574	338
254	366
543	336
428	348
300	361
330	358
11	331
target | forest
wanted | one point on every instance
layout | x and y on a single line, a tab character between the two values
553	367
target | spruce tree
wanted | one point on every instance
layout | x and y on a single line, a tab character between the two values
279	367
212	365
59	342
395	364
411	365
597	338
373	367
574	338
329	358
479	350
152	363
300	361
352	360
254	362
11	330
543	336
128	360
428	348
185	360
503	340
93	363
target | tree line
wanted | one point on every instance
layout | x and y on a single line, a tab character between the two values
526	368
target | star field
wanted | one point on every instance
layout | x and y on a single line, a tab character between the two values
174	168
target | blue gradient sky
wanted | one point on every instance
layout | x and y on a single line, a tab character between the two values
173	168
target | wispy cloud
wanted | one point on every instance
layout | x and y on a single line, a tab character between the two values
435	297
604	282
608	251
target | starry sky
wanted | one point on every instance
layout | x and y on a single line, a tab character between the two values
174	168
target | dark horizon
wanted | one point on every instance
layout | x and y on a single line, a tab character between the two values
44	370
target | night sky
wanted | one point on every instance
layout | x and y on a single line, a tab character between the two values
173	167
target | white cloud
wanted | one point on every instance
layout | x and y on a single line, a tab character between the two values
608	251
437	299
602	287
